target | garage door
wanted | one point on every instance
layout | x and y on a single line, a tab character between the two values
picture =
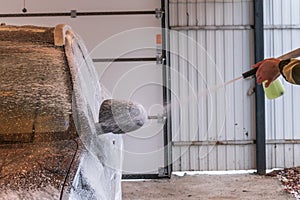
123	37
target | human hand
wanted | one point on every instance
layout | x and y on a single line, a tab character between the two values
268	70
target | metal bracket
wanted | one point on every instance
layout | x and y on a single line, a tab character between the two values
160	118
251	90
73	13
160	60
158	13
162	172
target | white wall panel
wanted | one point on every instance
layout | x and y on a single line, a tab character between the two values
184	97
219	9
193	94
145	148
220	94
229	98
203	123
209	12
282	115
211	82
192	13
182	12
175	100
223	45
93	29
201	12
87	5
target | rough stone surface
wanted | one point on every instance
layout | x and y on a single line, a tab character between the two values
33	34
35	87
28	171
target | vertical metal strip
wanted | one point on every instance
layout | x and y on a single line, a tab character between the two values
259	95
166	88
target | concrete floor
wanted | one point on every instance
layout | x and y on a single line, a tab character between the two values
207	187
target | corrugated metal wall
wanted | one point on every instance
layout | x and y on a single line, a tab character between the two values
282	34
213	125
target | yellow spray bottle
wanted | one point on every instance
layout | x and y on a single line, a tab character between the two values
274	90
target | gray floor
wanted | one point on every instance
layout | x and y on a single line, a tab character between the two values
207	187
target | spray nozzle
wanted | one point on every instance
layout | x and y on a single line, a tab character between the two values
250	73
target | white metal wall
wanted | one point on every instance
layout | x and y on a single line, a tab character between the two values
282	31
93	29
213	125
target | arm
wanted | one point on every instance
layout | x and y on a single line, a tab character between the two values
270	69
290	70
